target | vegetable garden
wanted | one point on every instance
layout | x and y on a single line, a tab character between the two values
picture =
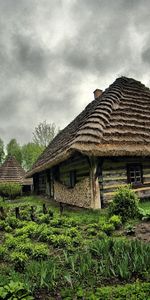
79	254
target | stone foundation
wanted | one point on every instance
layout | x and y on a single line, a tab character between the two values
80	195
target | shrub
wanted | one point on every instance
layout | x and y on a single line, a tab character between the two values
116	221
125	203
10	189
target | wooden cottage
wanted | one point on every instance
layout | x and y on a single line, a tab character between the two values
105	146
11	171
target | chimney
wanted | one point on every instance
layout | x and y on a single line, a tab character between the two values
97	93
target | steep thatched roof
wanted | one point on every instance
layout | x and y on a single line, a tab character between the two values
11	171
116	123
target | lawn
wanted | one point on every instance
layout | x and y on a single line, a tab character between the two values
73	255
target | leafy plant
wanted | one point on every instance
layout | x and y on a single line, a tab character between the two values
3	252
40	251
15	291
108	228
116	221
19	259
125	203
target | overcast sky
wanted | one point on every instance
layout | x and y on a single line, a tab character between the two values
55	53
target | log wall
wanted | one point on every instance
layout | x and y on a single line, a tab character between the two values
79	164
114	174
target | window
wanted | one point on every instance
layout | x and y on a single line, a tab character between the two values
135	175
72	179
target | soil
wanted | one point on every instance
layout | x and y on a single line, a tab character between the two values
142	231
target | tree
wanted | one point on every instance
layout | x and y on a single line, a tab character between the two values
30	153
14	149
44	133
2	153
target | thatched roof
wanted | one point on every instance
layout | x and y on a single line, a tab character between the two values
11	171
116	123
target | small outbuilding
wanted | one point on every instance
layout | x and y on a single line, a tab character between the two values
11	171
105	146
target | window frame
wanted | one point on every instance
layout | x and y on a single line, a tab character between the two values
137	167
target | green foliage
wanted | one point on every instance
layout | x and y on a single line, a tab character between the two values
30	153
40	251
69	251
129	229
134	291
13	222
2	252
2	153
12	242
19	259
108	228
15	291
10	189
116	221
44	133
43	273
44	219
143	214
14	149
125	203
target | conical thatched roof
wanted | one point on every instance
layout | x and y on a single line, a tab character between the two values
11	171
116	123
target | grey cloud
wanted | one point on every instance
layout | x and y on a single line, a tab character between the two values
45	62
146	55
30	57
9	106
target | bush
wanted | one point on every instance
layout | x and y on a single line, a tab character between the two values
124	204
10	189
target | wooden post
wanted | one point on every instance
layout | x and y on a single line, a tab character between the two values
32	214
96	201
17	212
44	209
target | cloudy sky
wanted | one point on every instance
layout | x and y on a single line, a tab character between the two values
55	53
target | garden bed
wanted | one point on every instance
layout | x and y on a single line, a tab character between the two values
68	255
